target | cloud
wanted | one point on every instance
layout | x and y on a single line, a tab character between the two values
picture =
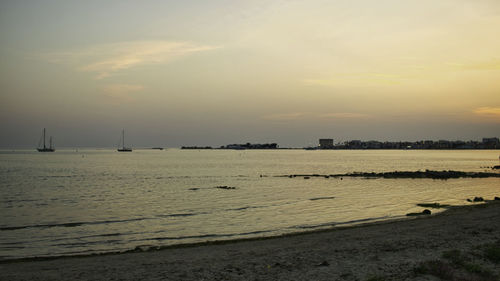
489	112
493	64
320	82
345	115
311	116
357	79
108	59
285	116
120	93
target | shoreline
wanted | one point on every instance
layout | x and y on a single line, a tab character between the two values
150	248
391	248
332	227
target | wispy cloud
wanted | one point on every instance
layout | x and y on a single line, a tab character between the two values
344	115
108	59
311	116
488	112
321	82
120	93
357	79
493	64
285	116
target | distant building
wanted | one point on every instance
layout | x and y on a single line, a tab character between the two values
491	143
491	140
354	144
444	144
486	143
325	143
373	144
428	144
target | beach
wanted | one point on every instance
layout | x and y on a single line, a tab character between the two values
250	140
456	240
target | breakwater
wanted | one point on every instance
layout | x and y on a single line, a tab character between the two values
427	174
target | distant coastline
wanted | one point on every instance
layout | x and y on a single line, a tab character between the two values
486	143
492	143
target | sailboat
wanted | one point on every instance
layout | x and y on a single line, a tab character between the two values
45	148
123	148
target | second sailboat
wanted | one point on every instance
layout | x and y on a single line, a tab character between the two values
123	148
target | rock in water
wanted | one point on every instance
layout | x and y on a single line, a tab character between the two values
225	187
424	212
324	263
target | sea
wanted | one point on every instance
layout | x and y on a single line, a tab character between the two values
92	201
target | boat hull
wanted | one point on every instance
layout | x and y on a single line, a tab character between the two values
45	149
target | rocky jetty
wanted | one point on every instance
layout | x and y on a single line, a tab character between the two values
225	187
427	174
433	205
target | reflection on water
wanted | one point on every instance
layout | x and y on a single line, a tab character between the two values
99	200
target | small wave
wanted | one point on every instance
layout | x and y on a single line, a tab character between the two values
103	235
83	244
204	236
58	176
69	224
179	215
322	198
12	247
255	232
184	237
17	201
365	220
11	243
331	224
245	208
53	240
313	226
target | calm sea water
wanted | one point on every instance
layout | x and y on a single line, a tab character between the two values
92	201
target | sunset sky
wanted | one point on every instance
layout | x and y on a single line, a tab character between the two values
175	73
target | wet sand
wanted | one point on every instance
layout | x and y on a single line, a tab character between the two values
378	251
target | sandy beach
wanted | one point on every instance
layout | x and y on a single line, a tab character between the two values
461	243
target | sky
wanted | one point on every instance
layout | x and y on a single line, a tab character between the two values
175	73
